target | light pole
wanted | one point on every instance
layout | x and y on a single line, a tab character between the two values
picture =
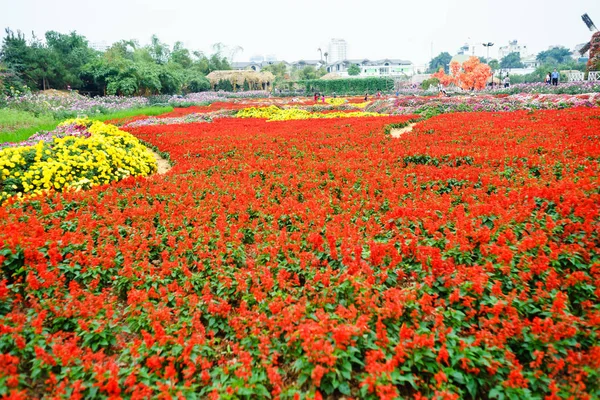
487	46
321	52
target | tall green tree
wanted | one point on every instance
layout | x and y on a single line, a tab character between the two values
277	69
512	60
15	53
442	60
307	72
554	56
182	56
353	70
69	53
125	68
159	51
494	64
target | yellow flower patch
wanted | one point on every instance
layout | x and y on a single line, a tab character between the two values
74	162
336	101
274	113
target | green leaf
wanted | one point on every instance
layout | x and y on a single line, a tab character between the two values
458	377
472	387
344	389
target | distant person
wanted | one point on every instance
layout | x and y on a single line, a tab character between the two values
334	95
397	93
442	91
316	96
379	93
323	99
507	81
548	79
555	76
367	96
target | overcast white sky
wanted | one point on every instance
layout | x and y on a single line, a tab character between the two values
294	30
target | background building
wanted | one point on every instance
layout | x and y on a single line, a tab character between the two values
513	47
99	46
374	68
337	50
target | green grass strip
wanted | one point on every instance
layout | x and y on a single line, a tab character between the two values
47	123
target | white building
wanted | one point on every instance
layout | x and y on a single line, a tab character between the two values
99	46
513	47
337	50
256	65
374	68
530	62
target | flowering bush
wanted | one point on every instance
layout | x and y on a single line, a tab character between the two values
79	154
472	74
70	105
295	259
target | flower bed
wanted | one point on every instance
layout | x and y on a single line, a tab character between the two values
310	258
274	113
79	154
429	106
72	104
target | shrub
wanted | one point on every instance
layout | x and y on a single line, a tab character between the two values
197	84
225	85
348	86
427	83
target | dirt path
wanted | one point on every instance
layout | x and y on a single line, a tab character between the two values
162	164
396	133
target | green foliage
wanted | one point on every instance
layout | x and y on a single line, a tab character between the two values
540	73
10	83
224	85
57	63
442	60
512	60
195	82
353	70
308	72
357	86
494	65
279	70
427	83
555	56
124	69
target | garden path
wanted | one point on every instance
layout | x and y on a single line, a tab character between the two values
162	164
396	133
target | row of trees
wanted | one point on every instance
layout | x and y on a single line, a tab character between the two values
126	68
556	57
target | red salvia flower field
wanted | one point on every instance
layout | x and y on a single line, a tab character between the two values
317	259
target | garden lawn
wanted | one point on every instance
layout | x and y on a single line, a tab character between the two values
12	120
313	258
